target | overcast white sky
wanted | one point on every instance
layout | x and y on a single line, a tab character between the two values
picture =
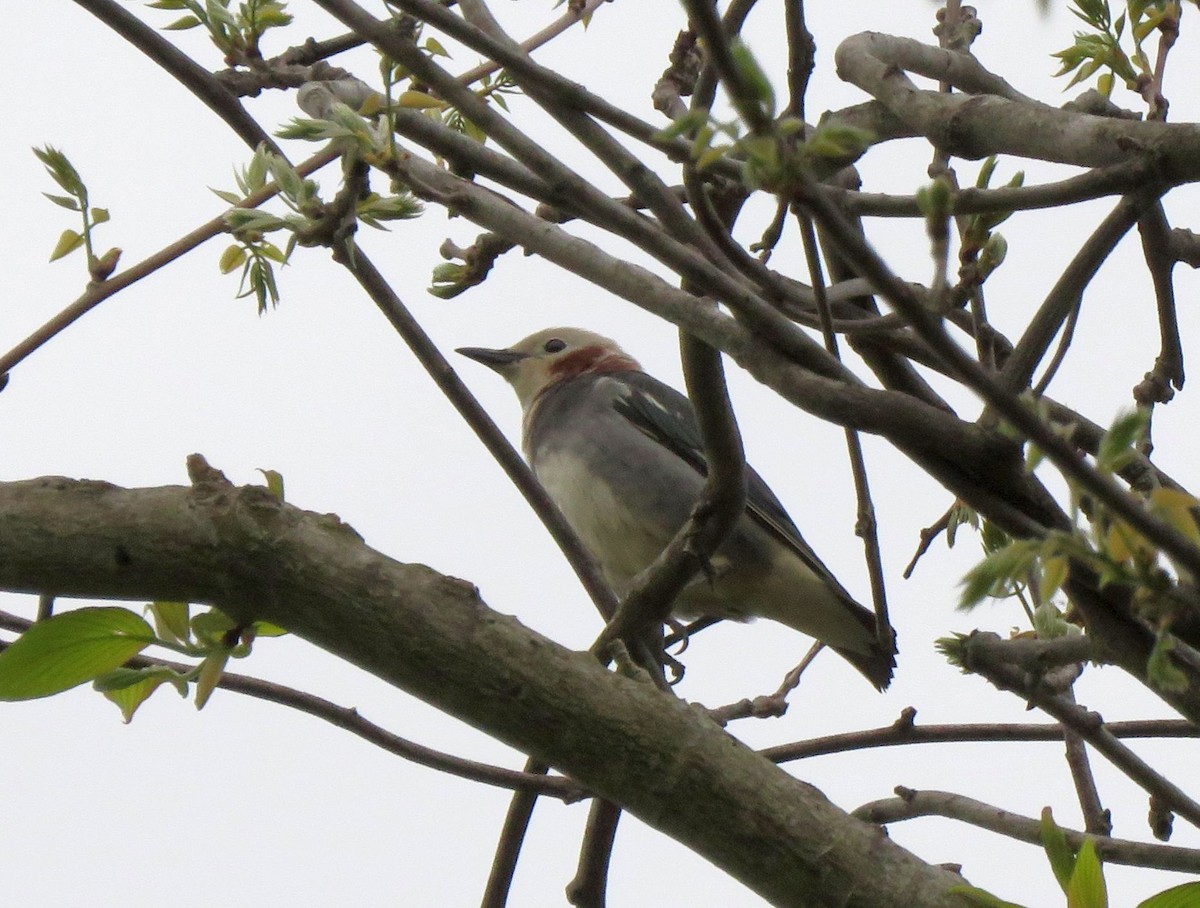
246	804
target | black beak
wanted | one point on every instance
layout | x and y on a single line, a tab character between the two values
493	359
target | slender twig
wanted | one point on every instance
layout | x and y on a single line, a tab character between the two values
928	534
97	293
198	80
865	526
481	423
349	719
1067	292
312	50
904	732
911	804
802	53
769	706
702	14
1096	819
1167	373
1116	179
1089	726
588	888
512	837
572	16
1174	543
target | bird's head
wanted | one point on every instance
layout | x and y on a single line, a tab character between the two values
550	356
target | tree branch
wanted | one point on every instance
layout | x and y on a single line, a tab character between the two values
198	80
349	719
431	635
911	804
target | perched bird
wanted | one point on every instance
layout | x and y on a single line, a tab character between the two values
621	455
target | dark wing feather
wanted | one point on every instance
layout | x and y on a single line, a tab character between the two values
666	416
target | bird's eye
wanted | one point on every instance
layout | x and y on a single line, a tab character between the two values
554	345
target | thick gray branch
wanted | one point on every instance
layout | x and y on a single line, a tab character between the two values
433	636
997	119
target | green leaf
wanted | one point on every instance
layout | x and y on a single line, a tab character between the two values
61	169
63	201
1087	888
1186	895
129	688
1049	623
755	77
211	627
130	697
231	259
1161	672
959	514
274	482
171	620
100	215
998	574
182	24
68	242
68	649
211	670
1116	446
1058	850
267	629
839	142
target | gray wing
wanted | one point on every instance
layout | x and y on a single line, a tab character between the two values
666	416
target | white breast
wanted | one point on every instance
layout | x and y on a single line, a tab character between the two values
606	523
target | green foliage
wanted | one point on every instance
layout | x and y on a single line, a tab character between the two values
754	78
274	482
63	172
1185	895
771	160
1103	542
253	253
66	650
1081	877
95	643
235	32
1101	48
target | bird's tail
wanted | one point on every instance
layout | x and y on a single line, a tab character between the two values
877	664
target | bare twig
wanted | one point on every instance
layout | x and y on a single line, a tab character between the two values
588	888
1067	292
1117	179
911	804
98	293
928	534
477	418
349	719
198	80
1167	375
865	526
1090	727
512	837
770	706
1096	819
573	15
904	732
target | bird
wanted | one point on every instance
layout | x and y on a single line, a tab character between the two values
621	455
